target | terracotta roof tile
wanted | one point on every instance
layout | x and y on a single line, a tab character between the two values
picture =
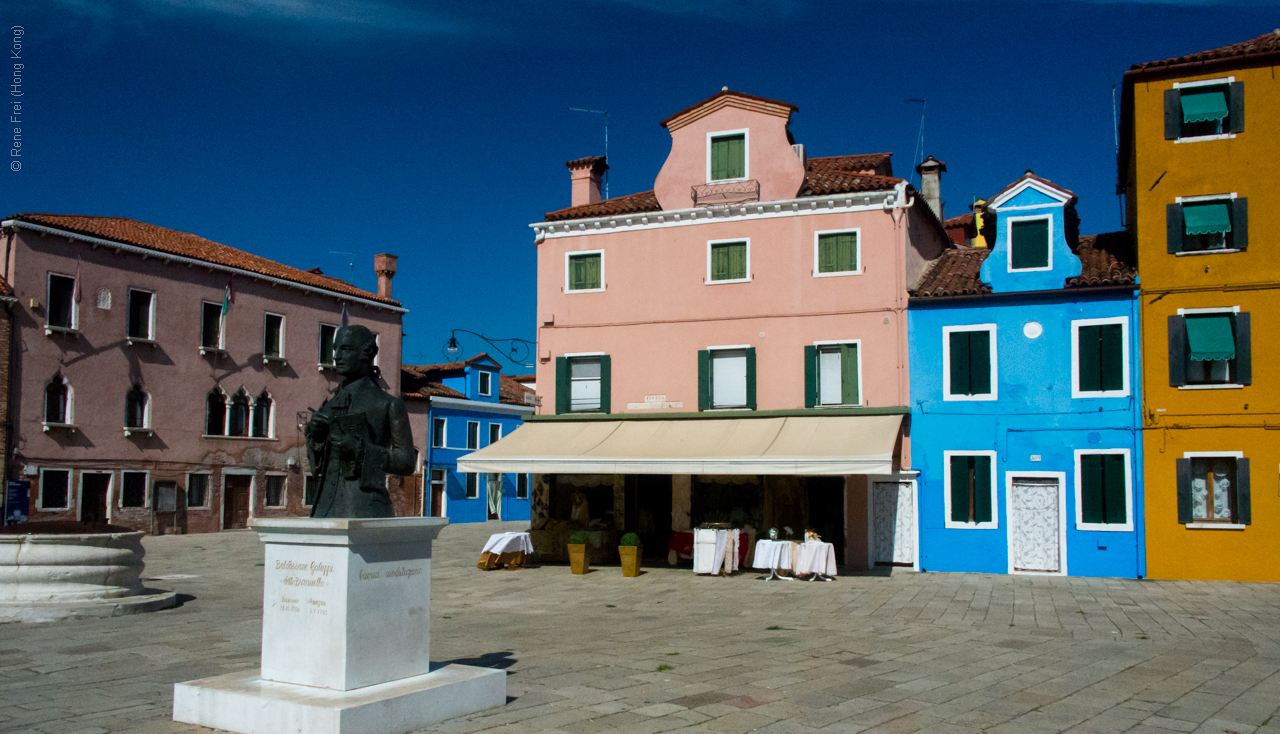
1040	179
422	381
645	201
1262	45
512	392
140	234
955	273
962	220
822	182
728	93
1105	259
877	163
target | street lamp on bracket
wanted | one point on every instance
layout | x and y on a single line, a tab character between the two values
516	351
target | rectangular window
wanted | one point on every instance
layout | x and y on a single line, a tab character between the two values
1102	499
522	486
55	486
62	304
1204	109
837	253
274	495
310	487
140	314
584	271
583	383
727	261
495	433
272	336
164	496
327	333
473	485
1029	244
437	433
134	489
969	357
1208	224
473	434
1210	348
210	325
1214	489
729	378
486	383
832	375
728	156
970	492
197	490
1101	357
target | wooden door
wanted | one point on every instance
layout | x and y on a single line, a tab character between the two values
893	523
235	499
93	499
1034	525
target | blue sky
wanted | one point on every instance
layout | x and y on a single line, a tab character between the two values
438	131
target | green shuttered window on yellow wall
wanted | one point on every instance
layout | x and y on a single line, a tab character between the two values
584	272
970	362
1101	358
728	157
1102	489
729	261
838	252
1029	244
971	489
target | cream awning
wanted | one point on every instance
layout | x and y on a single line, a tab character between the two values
813	445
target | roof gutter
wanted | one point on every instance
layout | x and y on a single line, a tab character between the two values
193	262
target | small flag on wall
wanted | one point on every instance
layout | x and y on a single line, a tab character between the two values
228	298
343	321
75	288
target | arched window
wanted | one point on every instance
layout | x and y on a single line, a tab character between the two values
261	427
135	408
215	422
238	420
56	400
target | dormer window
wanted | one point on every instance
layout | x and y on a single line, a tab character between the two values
727	156
1029	244
486	383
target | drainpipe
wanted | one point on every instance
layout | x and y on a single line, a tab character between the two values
426	484
1139	444
896	205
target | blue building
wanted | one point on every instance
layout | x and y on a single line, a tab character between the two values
1025	397
454	409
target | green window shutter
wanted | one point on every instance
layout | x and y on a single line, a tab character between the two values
982	510
738	156
704	379
837	253
826	253
980	362
1090	359
738	261
1111	374
1113	481
575	273
751	378
959	377
562	385
849	375
592	265
810	376
605	384
1172	114
1030	244
728	159
1240	224
1235	101
960	466
584	272
1184	489
1244	508
719	262
1244	350
718	147
1177	351
1093	498
1173	222
847	252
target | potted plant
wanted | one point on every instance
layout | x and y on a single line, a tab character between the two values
578	561
629	549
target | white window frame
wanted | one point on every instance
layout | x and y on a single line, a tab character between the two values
1076	392
444	489
746	154
111	483
208	489
1233	310
950	524
711	369
303	499
569	357
528	481
1202	83
1008	234
68	413
1214	455
39	504
576	253
1201	199
729	241
271	416
280	347
946	362
222	328
817	237
470	479
444	432
1127	526
146	489
75	307
468	445
320	342
492	428
483	377
839	342
151	316
146	426
284	490
1009	476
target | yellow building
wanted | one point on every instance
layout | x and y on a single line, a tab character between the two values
1200	141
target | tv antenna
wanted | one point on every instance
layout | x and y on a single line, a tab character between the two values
606	140
919	157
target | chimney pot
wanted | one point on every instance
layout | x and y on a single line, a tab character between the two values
384	266
586	175
931	170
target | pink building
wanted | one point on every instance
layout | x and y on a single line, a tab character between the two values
158	377
731	346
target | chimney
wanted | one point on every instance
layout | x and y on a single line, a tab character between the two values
931	170
586	175
385	266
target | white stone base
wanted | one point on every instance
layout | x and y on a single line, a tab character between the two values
47	611
244	702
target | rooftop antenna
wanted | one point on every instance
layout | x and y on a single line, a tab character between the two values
606	140
919	157
351	255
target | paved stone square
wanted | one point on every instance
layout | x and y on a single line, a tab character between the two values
668	651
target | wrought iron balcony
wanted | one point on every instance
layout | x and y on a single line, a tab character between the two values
734	192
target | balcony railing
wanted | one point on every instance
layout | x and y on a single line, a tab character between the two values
734	192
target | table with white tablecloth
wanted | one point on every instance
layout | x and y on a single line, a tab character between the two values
816	558
505	549
775	555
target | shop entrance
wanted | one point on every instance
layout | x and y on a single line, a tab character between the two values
648	511
826	511
235	501
93	496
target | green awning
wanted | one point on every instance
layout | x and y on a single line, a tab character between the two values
1210	338
1206	218
1204	106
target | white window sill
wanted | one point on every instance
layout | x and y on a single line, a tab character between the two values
1098	527
61	427
238	438
327	367
1199	138
728	180
1214	526
139	340
1224	251
1211	387
216	351
970	398
52	509
952	525
726	408
726	282
838	274
1012	269
139	431
51	330
1104	394
583	290
276	360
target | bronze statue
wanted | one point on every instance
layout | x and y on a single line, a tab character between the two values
358	436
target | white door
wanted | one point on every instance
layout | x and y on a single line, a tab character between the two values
1034	525
893	523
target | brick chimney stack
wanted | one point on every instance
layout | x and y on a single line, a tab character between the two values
931	170
586	174
385	266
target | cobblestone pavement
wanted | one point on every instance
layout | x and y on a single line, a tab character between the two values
673	651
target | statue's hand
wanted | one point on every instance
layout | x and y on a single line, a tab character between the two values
346	447
318	427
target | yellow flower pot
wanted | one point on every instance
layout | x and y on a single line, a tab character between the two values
579	563
630	559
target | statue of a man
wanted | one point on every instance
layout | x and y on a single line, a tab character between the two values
358	436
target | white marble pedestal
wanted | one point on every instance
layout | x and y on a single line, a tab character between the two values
345	637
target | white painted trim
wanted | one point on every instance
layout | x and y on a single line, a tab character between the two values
1009	222
1194	311
481	377
222	325
320	343
1214	526
146	426
915	526
151	313
38	505
68	417
193	262
570	355
283	323
444	433
1215	386
480	406
1127	526
946	363
1212	454
1200	138
950	524
746	154
493	440
284	490
1027	183
208	489
467	438
253	492
731	241
728	346
528	482
1076	392
827	343
857	233
48	299
1009	476
1204	83
468	478
1206	197
578	253
146	488
111	480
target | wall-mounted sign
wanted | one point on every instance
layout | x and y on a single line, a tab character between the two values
652	402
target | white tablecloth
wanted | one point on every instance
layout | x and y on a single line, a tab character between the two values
773	554
715	549
500	543
815	557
